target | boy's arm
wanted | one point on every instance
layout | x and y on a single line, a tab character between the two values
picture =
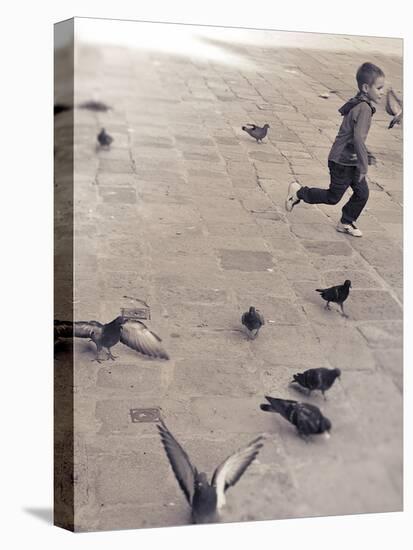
362	119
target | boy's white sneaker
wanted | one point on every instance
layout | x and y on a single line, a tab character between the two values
292	198
349	228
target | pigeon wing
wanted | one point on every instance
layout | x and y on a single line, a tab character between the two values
231	469
329	294
245	319
307	418
184	472
393	106
137	336
282	406
78	329
260	317
253	126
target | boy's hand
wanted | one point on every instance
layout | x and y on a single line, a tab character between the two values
362	176
371	159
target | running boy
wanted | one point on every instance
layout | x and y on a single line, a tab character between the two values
349	158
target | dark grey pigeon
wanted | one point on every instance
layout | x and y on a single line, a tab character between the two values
394	107
317	379
133	334
256	131
336	294
253	321
308	419
204	498
104	138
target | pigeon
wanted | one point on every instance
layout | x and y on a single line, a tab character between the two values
104	138
133	334
337	294
394	107
256	131
317	379
93	105
253	321
307	418
61	108
204	498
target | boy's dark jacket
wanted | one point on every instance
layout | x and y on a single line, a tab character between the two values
349	147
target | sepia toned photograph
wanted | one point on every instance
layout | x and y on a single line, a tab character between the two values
228	283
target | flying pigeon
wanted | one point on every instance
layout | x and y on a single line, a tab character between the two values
256	131
204	498
93	105
133	334
104	138
253	321
61	108
317	379
394	107
337	294
307	418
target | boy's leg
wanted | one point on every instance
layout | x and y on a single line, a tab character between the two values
354	207
340	180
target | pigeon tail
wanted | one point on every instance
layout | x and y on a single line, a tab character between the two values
267	408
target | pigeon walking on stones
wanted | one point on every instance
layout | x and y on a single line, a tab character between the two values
253	321
104	138
307	418
133	334
206	498
336	294
317	379
256	131
394	107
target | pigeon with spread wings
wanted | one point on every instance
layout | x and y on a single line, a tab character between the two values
133	334
394	107
204	498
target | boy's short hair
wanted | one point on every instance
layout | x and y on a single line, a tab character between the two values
367	74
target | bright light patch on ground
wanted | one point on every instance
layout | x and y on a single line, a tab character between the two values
218	44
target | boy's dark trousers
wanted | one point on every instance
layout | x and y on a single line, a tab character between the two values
341	178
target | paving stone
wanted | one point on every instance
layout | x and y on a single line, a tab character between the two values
374	305
359	279
391	361
245	260
121	478
298	268
379	253
314	231
263	156
343	346
115	166
330	493
328	248
202	378
146	380
383	334
118	195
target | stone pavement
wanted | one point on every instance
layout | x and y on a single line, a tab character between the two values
186	212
